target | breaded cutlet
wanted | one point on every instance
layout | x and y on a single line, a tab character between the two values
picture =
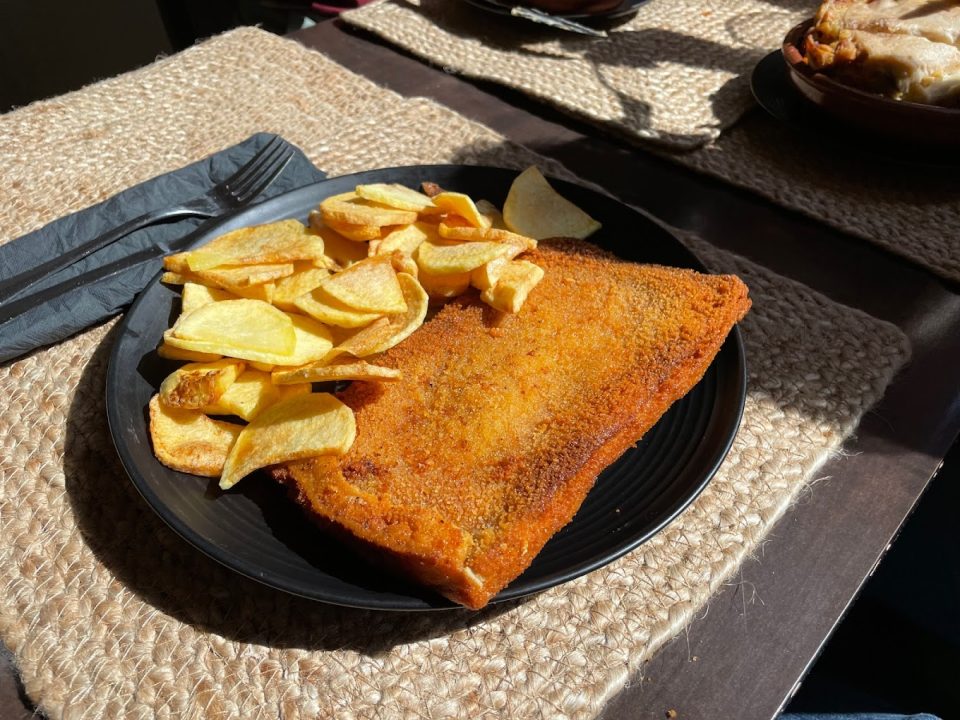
463	469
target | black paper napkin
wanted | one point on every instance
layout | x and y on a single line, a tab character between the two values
77	310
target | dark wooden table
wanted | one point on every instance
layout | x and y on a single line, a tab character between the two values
749	652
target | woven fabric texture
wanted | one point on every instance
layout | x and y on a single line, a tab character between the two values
912	210
110	614
675	73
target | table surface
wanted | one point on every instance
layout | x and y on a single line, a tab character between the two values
748	652
746	655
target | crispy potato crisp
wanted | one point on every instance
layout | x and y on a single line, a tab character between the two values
299	427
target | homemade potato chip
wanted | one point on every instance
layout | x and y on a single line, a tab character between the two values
196	385
239	324
304	279
440	287
289	391
188	441
299	427
262	292
507	237
251	393
386	332
229	276
437	259
367	286
345	370
462	205
261	366
173	278
194	295
454	227
354	232
406	239
312	343
535	209
492	213
317	304
176	263
174	353
486	275
324	263
351	208
278	242
336	247
465	233
395	196
404	263
516	279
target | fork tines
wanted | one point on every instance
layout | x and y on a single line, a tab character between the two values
251	179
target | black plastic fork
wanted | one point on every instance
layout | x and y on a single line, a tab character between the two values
237	191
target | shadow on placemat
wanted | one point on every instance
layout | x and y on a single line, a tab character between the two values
153	562
667	77
646	48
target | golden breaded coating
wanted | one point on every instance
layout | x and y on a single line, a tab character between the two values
488	444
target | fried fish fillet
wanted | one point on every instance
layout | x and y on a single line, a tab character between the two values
488	444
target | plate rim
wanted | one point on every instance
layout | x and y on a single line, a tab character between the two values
733	344
612	14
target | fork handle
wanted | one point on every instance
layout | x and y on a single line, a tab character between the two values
16	285
538	16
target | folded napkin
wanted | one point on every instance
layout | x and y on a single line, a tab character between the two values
68	314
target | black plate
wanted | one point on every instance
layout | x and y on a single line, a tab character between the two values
775	93
258	532
627	7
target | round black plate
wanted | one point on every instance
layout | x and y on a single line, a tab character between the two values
627	7
775	93
255	530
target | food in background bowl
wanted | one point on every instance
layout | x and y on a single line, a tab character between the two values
899	49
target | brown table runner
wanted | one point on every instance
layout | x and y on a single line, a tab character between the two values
674	73
110	614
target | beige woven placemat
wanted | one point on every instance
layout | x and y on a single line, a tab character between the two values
109	614
910	209
674	73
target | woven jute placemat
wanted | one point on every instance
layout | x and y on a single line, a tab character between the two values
909	208
110	614
674	73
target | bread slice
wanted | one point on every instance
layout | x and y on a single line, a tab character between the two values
487	446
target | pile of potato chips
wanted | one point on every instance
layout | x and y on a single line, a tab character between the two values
269	310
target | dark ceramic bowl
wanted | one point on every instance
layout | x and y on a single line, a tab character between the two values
570	7
926	125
